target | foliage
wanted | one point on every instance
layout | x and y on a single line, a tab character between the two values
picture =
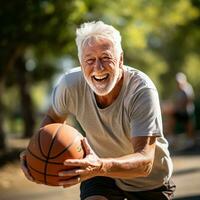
159	37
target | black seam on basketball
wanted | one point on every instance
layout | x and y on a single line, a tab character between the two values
49	162
39	144
51	145
30	167
65	149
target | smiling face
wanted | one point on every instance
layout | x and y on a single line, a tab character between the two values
101	65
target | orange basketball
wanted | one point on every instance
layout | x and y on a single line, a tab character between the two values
49	148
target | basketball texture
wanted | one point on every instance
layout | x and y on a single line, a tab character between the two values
49	148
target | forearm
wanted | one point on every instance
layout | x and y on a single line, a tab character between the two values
127	167
138	164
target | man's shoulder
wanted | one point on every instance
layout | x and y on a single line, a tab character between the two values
138	79
72	78
73	74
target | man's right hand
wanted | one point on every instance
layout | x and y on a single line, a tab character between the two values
25	168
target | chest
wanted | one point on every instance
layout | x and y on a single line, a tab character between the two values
110	126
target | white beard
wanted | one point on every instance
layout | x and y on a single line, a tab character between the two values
103	89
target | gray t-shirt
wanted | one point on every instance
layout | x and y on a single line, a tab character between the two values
135	112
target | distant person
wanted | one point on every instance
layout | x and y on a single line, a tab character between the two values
118	107
182	109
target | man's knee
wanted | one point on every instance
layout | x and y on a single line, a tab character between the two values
96	197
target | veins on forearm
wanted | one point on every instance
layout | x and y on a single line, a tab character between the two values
137	165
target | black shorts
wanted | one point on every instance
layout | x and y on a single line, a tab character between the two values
106	187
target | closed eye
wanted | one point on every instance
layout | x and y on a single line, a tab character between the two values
90	61
105	59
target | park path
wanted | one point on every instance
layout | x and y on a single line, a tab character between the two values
14	186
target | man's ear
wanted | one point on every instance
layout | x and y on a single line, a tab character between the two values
121	61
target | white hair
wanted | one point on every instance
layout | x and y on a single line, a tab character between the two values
98	30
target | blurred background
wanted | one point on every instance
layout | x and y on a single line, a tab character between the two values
37	45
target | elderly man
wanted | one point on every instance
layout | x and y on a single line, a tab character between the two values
118	108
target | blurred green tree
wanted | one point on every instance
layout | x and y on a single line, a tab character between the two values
160	37
47	27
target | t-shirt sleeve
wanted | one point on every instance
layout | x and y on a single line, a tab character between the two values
145	114
60	98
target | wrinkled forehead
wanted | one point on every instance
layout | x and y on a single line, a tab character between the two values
98	42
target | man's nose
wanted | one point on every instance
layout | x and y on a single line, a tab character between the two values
98	66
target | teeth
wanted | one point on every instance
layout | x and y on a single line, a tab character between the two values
101	77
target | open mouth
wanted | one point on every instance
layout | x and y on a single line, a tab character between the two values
100	77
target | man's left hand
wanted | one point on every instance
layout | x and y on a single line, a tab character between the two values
85	168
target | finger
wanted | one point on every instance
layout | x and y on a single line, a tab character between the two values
73	172
67	173
23	158
70	182
22	155
29	177
24	166
26	173
23	162
76	162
